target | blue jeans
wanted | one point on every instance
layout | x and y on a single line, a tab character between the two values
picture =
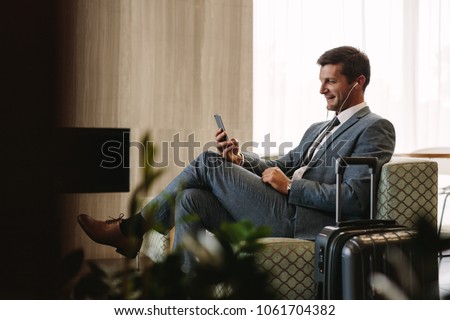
219	191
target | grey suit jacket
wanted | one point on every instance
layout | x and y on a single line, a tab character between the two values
365	134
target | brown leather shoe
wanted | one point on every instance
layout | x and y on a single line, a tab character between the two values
108	233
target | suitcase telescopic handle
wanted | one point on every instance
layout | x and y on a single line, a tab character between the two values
341	164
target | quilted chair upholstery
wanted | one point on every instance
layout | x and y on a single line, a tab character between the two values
290	265
407	190
155	245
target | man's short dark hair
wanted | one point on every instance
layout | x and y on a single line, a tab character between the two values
354	62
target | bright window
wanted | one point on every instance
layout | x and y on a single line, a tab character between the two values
408	43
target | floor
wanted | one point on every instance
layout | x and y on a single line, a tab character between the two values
114	265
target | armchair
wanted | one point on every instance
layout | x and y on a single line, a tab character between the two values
407	190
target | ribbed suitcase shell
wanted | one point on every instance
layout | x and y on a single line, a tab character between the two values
388	265
329	244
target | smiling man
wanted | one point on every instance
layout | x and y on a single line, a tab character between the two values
294	195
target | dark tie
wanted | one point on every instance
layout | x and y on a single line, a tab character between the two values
309	155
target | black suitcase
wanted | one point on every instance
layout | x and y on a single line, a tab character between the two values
331	240
389	265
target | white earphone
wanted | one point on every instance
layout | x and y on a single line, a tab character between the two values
348	95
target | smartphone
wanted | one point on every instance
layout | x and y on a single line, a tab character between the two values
220	124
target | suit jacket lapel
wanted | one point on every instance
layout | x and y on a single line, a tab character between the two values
344	127
312	137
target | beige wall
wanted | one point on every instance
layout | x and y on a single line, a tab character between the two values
163	66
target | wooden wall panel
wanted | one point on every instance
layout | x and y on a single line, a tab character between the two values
163	66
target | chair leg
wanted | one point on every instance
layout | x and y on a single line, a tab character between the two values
440	223
442	214
138	262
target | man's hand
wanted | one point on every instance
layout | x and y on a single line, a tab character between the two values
229	149
277	179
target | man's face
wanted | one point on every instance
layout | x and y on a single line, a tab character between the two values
335	87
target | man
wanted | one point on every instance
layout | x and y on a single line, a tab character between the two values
294	195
